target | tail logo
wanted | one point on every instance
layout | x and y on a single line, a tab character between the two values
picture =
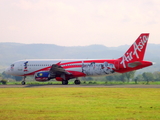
140	45
135	48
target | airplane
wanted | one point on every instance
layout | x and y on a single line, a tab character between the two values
64	70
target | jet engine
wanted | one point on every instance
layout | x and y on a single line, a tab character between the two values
42	76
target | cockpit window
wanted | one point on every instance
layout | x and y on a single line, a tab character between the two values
12	65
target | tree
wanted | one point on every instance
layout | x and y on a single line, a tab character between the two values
129	75
88	78
110	78
122	77
156	75
138	78
148	76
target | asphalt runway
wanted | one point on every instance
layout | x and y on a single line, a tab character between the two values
79	86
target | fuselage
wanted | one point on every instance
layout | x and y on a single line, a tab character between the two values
80	67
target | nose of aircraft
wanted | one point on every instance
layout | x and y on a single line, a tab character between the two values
7	70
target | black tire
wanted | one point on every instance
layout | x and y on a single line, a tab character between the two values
23	82
64	82
77	82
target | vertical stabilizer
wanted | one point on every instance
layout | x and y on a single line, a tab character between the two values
136	51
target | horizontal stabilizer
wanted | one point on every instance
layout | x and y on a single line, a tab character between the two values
134	64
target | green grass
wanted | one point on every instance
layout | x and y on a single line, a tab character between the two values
82	82
79	103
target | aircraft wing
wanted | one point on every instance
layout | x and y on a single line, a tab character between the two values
57	69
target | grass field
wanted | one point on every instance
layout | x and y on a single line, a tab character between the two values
79	103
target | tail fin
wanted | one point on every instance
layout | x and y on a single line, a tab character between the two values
136	51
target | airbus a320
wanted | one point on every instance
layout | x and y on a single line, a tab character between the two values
64	70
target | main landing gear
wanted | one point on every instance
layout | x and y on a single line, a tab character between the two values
77	82
64	82
23	81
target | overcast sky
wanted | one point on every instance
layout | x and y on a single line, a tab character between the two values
79	22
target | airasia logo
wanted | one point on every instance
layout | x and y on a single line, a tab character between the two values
137	47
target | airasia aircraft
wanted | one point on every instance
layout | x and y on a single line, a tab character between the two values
64	70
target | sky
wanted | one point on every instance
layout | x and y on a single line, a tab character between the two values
79	22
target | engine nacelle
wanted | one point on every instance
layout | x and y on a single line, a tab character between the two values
41	76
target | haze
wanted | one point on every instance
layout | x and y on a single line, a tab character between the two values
79	22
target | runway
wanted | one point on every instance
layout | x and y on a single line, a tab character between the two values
79	86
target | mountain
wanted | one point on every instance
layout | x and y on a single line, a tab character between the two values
11	52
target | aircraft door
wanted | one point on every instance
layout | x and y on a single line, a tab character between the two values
19	67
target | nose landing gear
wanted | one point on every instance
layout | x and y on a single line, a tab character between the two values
23	81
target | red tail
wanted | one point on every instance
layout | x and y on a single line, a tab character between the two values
136	51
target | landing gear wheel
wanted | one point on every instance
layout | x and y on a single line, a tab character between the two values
64	82
77	82
23	82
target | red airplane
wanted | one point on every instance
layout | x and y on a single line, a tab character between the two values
64	70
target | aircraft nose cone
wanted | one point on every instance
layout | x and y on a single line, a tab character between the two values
7	71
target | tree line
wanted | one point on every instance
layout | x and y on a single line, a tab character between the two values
124	78
129	77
